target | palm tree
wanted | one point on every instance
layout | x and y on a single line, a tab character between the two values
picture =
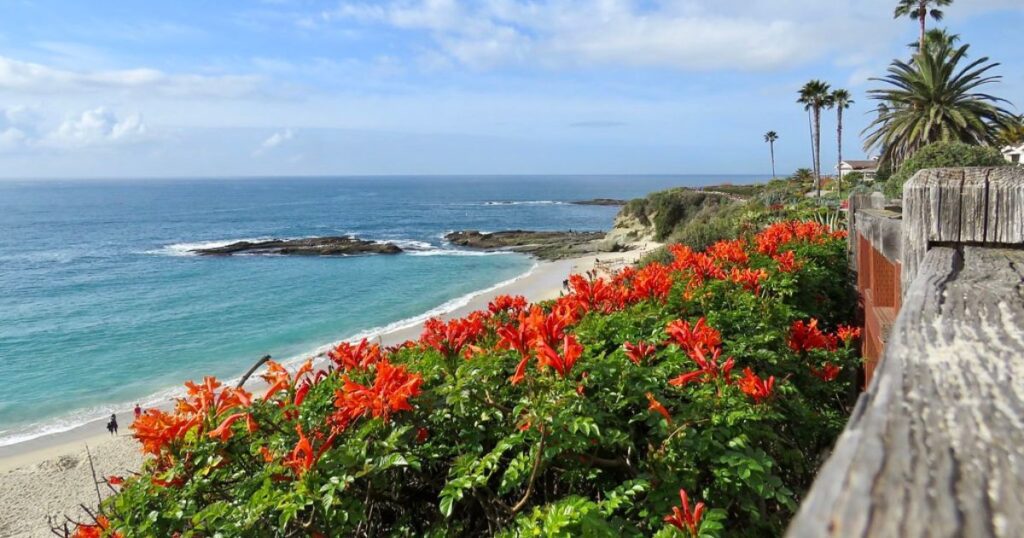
815	96
934	99
936	37
1013	133
842	101
920	10
771	137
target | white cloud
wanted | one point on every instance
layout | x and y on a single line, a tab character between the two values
689	35
274	141
38	78
99	126
24	129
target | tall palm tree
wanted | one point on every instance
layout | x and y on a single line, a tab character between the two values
937	37
920	10
815	96
842	101
771	137
934	99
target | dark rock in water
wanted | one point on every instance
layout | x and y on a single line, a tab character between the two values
601	201
544	245
313	246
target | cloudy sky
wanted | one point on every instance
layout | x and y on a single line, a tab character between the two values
189	88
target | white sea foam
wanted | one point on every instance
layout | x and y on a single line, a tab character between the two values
525	202
81	417
186	249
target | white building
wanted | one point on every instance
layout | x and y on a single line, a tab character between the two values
868	168
1014	154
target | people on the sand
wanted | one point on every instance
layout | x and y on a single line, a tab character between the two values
138	411
112	425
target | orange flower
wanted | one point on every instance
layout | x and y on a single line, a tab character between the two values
115	480
510	304
594	294
709	369
95	531
749	278
683	518
847	333
699	336
156	429
729	251
654	281
807	337
390	392
655	405
223	432
827	373
787	261
755	387
449	338
560	362
639	351
347	357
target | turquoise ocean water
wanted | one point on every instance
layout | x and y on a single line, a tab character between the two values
102	306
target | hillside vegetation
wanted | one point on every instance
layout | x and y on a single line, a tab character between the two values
694	397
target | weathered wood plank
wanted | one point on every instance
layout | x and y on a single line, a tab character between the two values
935	447
960	205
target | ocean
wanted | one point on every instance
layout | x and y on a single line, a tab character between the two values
102	305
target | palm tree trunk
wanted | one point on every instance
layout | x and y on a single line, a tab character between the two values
810	131
817	148
922	14
771	147
839	135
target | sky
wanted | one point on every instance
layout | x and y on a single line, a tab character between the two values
297	87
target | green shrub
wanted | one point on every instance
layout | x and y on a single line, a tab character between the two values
673	208
942	155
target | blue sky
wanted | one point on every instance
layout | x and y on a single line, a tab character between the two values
279	87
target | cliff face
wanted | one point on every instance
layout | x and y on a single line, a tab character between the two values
679	214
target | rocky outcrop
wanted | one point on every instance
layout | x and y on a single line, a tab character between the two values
601	201
544	245
312	246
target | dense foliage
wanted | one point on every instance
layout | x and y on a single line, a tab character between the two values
938	97
667	211
942	155
693	398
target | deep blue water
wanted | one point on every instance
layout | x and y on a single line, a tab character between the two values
100	305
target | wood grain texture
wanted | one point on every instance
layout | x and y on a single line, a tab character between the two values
935	446
981	205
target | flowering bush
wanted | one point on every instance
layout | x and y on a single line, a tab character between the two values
592	414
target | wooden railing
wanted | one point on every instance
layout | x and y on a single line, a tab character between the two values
935	445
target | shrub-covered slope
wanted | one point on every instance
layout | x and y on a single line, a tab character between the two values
694	397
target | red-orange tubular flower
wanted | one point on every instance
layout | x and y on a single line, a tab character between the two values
449	338
594	294
709	368
559	362
654	281
807	337
392	388
749	278
755	387
156	429
826	373
787	261
683	518
698	336
847	333
347	356
655	405
95	531
729	251
303	457
639	351
510	304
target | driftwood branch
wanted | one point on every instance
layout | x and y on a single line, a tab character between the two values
95	481
263	360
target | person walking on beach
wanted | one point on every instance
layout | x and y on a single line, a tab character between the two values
138	411
112	425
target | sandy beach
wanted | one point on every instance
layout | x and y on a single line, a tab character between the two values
48	477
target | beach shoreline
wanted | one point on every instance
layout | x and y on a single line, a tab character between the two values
50	475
